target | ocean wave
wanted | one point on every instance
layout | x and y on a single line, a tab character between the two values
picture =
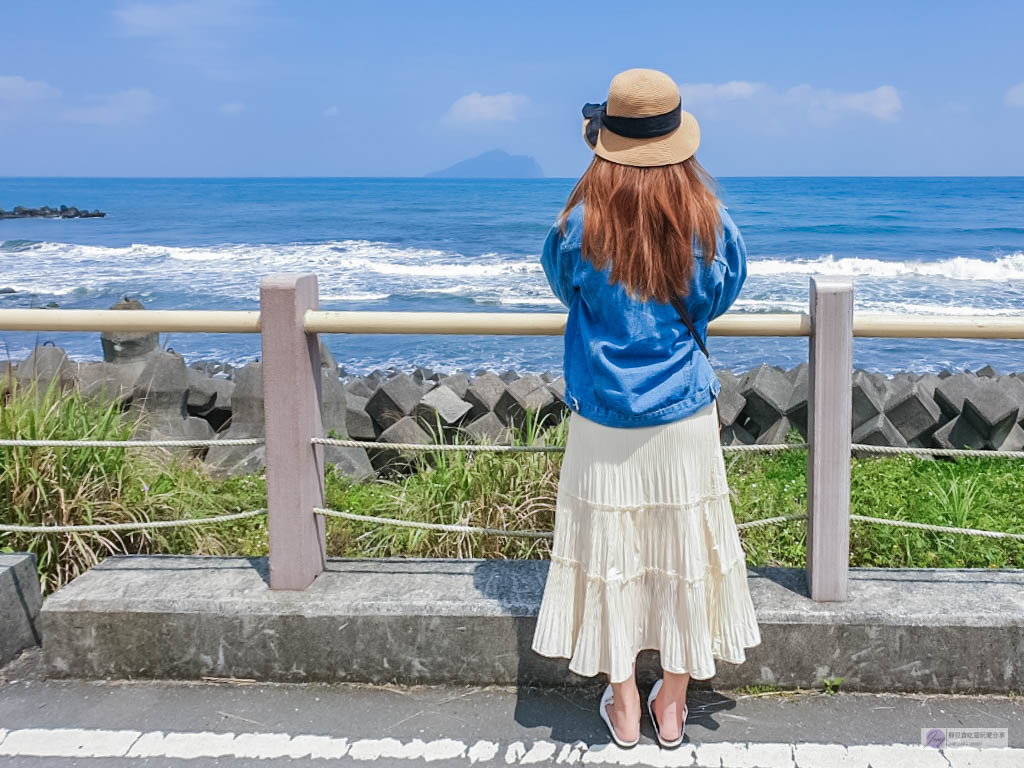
1005	267
352	255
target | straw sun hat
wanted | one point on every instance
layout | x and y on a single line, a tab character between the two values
642	122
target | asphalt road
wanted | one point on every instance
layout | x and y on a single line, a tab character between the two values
239	723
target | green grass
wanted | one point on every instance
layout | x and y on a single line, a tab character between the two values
79	486
514	491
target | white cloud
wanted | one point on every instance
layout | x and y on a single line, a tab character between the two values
232	108
804	101
708	93
177	19
1015	96
17	88
121	107
476	107
331	112
883	103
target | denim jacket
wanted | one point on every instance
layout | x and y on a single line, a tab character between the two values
630	363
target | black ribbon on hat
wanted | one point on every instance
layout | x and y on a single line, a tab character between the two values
630	127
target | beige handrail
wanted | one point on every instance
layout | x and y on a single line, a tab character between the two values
525	323
167	320
497	323
937	326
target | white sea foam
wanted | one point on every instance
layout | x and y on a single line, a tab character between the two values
1005	267
362	270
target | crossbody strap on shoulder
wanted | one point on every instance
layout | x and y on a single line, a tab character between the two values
684	315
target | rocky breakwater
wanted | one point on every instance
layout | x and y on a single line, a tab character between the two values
46	212
211	400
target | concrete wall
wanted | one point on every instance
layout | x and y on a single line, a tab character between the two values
410	621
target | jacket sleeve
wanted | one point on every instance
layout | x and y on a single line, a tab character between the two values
730	272
556	266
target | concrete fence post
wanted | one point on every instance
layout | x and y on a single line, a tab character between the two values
291	400
830	416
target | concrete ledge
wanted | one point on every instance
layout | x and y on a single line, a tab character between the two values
20	601
471	621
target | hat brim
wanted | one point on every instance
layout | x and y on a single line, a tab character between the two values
671	148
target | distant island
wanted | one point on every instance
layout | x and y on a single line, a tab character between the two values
46	212
495	164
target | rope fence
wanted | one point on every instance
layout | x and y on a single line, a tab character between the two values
469	448
474	448
133	526
8	443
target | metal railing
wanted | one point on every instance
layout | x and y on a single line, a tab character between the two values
289	321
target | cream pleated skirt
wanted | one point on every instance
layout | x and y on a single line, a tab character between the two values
645	553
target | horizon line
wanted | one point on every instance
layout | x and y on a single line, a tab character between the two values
532	178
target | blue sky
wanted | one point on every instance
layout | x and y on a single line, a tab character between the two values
261	88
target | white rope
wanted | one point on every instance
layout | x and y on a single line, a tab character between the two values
438	446
348	515
470	447
8	443
887	449
940	528
770	520
431	526
129	526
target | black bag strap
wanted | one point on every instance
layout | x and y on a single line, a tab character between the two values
684	314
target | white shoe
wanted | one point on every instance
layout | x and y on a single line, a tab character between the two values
650	710
606	699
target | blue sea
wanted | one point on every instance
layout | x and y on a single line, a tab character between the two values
911	245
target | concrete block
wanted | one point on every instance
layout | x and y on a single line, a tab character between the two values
247	396
878	431
405	430
162	386
797	372
206	394
483	394
950	393
1014	440
20	602
509	376
991	411
958	433
395	398
359	388
869	397
124	346
351	462
776	433
528	393
987	372
411	621
489	429
914	414
422	374
734	434
767	392
557	387
358	423
457	383
106	381
730	402
796	408
441	409
44	365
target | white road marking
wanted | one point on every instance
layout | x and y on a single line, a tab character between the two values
84	742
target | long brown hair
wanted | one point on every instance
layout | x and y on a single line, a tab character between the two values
644	221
